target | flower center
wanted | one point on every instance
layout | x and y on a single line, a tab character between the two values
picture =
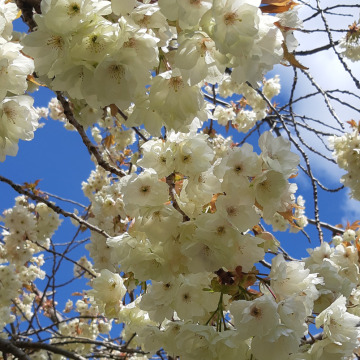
231	210
255	312
186	297
230	18
144	189
56	42
176	82
116	72
221	230
73	9
186	158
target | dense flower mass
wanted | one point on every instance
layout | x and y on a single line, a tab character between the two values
18	118
29	228
180	254
347	154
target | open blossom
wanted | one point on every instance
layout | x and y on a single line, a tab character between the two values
8	13
350	43
158	155
217	243
241	30
347	154
72	12
237	25
269	189
239	212
175	101
46	46
108	291
184	294
277	155
255	318
272	87
9	284
240	161
122	7
149	16
198	59
292	279
277	345
192	154
266	52
188	12
14	69
18	120
134	318
144	190
223	115
339	326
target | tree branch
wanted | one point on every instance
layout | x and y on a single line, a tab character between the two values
56	208
90	146
170	181
48	347
7	347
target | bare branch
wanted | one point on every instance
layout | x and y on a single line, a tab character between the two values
52	348
90	146
8	347
305	157
63	199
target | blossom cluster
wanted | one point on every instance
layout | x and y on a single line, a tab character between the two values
18	118
184	218
181	311
107	53
250	108
29	228
350	43
347	154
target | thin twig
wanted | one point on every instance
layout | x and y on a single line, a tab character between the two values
305	157
62	255
52	348
56	208
63	199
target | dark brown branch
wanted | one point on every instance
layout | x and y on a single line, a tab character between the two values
105	344
133	127
314	338
316	50
265	263
52	348
90	146
7	347
27	8
170	181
